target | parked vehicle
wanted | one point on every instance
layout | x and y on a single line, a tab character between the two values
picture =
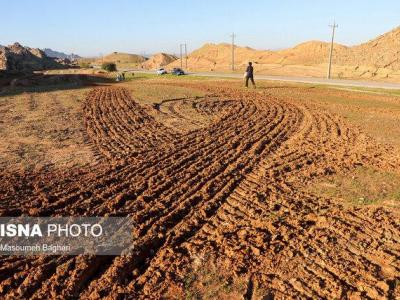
177	71
161	71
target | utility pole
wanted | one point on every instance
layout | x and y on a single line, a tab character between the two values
180	48
334	26
233	51
185	57
181	55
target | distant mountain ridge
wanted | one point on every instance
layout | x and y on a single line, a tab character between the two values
57	54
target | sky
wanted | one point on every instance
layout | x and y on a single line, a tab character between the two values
98	27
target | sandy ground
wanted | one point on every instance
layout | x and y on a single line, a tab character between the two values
217	181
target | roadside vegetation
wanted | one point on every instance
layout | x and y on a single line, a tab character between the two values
109	67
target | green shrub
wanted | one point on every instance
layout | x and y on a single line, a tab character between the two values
110	67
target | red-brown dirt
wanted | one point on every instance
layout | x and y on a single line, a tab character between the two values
230	189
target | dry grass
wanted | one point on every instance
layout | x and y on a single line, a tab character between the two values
43	129
362	186
209	282
155	93
206	279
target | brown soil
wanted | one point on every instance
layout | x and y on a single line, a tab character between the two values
229	190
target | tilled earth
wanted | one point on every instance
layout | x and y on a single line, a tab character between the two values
227	185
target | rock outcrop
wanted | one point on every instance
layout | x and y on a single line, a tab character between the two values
16	58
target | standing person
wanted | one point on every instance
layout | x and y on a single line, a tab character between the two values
249	75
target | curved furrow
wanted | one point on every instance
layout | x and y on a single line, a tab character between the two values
229	187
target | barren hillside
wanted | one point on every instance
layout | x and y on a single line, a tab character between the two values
158	60
310	53
382	52
378	57
123	58
217	56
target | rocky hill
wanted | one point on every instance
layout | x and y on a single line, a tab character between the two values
381	52
16	58
218	56
158	60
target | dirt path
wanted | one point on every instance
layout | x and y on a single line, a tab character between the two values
230	190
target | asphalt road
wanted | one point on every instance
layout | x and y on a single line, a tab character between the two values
337	82
311	80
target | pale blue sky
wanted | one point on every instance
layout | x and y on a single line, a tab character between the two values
91	27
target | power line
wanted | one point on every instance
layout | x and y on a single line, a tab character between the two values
334	26
233	51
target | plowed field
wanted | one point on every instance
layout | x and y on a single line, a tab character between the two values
215	180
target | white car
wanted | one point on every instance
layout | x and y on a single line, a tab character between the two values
161	71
